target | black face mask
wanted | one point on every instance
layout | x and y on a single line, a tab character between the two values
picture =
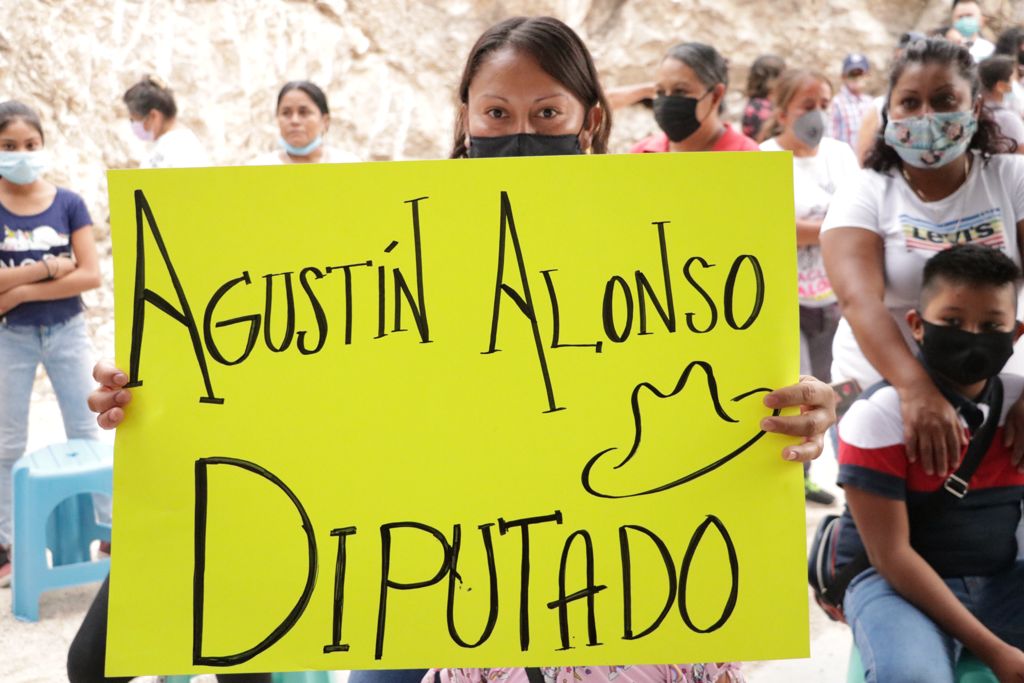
524	145
677	115
965	357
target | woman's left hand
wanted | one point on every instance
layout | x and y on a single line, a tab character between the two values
817	403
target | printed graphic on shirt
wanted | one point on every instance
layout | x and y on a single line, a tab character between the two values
42	238
981	228
812	281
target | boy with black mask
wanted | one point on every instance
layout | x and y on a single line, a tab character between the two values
943	573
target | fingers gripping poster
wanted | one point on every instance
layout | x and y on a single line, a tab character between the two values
456	413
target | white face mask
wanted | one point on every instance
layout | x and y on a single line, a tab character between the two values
139	128
22	168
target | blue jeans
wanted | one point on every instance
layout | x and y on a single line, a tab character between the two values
898	642
66	354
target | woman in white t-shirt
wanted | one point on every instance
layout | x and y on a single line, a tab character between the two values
153	114
933	179
303	118
801	100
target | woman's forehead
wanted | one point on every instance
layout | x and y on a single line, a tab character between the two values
931	76
514	74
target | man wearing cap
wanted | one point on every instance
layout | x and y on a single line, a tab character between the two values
848	106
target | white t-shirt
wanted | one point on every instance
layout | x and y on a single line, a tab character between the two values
984	210
177	148
330	156
1010	122
815	181
981	49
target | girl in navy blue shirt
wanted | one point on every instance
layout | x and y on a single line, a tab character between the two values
47	259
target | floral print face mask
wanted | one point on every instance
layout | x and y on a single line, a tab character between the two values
931	140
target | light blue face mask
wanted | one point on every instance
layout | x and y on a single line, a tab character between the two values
967	26
301	151
22	168
932	140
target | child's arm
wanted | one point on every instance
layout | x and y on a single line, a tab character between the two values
885	530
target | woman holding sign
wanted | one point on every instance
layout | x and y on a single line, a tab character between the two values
690	87
47	259
530	88
933	179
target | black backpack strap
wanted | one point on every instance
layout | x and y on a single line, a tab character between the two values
533	674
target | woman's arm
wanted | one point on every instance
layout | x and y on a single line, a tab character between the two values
1013	433
885	531
84	277
808	231
626	95
22	275
853	259
869	125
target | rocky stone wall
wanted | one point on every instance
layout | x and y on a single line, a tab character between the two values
388	66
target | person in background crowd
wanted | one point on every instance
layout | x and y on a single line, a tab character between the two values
41	319
968	22
942	577
154	118
820	166
849	104
690	87
303	118
871	116
934	178
760	82
997	74
1011	44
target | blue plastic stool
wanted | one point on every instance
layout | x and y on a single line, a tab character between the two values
968	669
51	488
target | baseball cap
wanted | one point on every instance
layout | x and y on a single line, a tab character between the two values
855	62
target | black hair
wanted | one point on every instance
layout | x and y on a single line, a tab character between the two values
12	110
763	71
960	2
148	94
997	69
559	51
988	138
311	89
1009	41
975	265
707	63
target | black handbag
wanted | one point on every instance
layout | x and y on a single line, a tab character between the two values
829	584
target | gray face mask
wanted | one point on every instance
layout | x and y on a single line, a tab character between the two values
810	127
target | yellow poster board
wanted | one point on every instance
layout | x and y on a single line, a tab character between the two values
456	413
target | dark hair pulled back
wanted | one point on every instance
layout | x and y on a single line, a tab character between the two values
12	110
148	94
311	89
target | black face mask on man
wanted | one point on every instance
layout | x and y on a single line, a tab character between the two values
677	115
523	145
965	357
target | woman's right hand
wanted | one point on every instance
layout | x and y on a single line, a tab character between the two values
110	398
931	429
